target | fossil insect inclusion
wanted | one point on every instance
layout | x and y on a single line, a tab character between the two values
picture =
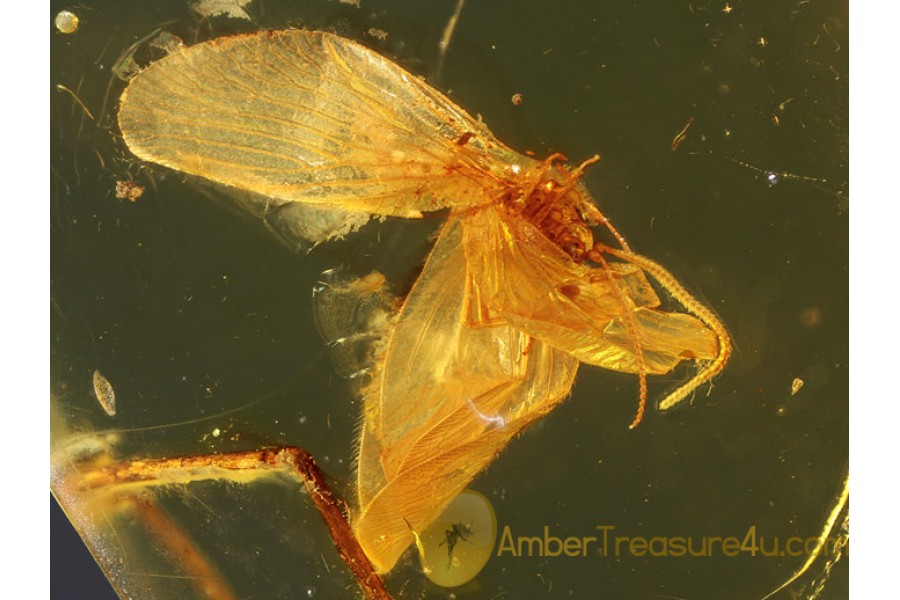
515	293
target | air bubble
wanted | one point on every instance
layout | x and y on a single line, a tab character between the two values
66	22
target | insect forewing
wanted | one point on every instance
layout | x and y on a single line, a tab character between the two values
448	398
311	117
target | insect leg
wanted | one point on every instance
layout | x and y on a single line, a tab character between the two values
693	306
596	255
574	175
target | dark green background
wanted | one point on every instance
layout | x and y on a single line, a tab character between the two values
192	309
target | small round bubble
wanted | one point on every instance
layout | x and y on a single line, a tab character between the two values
66	22
455	548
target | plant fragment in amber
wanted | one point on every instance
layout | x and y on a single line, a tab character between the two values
514	295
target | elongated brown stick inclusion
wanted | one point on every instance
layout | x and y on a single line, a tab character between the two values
206	577
238	466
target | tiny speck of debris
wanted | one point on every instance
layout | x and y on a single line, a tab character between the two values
106	396
66	22
224	8
216	432
681	135
128	190
126	68
376	33
796	384
167	42
350	2
811	316
516	99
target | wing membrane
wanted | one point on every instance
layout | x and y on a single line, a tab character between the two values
448	399
533	285
311	117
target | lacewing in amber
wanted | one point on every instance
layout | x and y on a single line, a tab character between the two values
515	294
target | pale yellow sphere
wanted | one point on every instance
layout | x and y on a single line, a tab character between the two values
459	543
66	22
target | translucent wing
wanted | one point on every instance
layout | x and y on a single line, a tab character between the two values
312	117
354	317
447	399
529	282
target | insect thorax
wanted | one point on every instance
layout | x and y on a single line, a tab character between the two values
555	208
